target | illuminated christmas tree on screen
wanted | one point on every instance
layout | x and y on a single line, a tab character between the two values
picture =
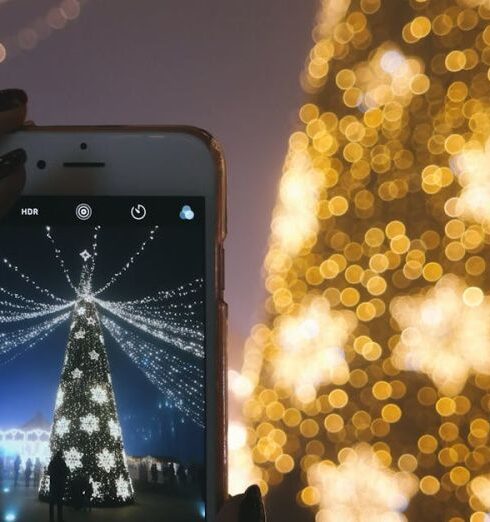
86	427
161	334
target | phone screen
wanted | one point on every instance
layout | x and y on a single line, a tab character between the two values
102	358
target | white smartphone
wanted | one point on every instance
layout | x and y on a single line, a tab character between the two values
112	326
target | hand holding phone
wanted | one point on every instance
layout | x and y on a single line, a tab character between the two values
13	108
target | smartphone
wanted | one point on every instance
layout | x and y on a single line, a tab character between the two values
112	326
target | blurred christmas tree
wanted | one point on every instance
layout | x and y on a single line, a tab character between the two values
86	427
369	385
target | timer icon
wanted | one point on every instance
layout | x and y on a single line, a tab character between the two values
138	212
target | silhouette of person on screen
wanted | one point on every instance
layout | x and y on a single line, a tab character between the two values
17	463
58	473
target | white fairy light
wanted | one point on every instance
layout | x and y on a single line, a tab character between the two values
59	258
129	263
62	426
59	398
95	240
181	381
12	339
99	394
80	334
123	488
168	317
29	280
114	429
180	337
89	423
25	339
73	459
106	460
31	303
76	373
15	316
96	486
195	286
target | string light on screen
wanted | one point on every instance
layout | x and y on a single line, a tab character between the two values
181	381
30	281
15	343
59	258
129	263
383	215
183	337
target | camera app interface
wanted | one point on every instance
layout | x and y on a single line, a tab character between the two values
102	360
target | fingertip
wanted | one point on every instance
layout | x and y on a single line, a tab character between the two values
253	490
12	119
10	189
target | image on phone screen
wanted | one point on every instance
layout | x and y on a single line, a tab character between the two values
102	359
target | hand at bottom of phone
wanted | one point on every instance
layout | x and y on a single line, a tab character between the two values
244	508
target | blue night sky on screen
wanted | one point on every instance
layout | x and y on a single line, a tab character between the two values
29	382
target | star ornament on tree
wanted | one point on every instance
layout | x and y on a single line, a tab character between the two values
311	347
445	333
473	172
73	459
360	488
85	255
62	426
123	488
93	355
80	334
96	488
106	460
99	394
76	373
114	429
89	423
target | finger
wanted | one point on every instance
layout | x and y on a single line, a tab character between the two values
231	510
13	109
12	178
252	507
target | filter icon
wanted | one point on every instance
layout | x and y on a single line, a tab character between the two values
186	214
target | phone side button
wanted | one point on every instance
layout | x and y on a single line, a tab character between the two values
221	271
